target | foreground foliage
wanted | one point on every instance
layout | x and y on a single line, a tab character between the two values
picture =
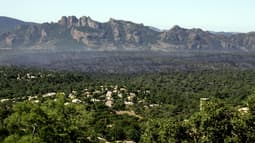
165	108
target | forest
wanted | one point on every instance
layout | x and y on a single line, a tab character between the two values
50	107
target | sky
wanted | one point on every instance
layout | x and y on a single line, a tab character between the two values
211	15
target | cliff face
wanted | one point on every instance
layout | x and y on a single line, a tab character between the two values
72	32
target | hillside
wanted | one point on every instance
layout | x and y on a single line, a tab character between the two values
45	106
8	24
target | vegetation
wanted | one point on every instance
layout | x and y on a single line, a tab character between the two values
47	106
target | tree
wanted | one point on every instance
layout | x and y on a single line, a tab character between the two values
51	121
159	131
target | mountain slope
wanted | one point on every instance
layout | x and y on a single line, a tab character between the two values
8	24
71	32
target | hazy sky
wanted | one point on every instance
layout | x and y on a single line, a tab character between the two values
216	15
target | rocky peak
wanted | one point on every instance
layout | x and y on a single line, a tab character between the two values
72	20
115	24
174	35
112	21
83	21
63	20
197	30
68	21
176	28
92	24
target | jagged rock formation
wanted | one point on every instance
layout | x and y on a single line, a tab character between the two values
71	32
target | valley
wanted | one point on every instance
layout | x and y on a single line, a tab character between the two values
126	61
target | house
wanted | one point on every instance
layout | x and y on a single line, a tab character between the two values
120	95
109	103
131	96
30	76
95	100
123	89
154	105
49	94
36	101
128	103
4	100
67	103
76	101
31	98
108	95
71	96
244	109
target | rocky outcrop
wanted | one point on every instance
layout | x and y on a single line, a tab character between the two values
9	40
118	34
72	21
68	21
63	21
80	37
88	22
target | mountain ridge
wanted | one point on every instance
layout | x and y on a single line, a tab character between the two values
8	24
86	33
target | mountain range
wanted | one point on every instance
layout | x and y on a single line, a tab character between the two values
86	33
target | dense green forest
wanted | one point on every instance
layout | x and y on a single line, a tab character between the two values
49	106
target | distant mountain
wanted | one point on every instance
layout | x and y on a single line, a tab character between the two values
85	33
8	24
225	33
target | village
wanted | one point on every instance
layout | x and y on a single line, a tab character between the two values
109	95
